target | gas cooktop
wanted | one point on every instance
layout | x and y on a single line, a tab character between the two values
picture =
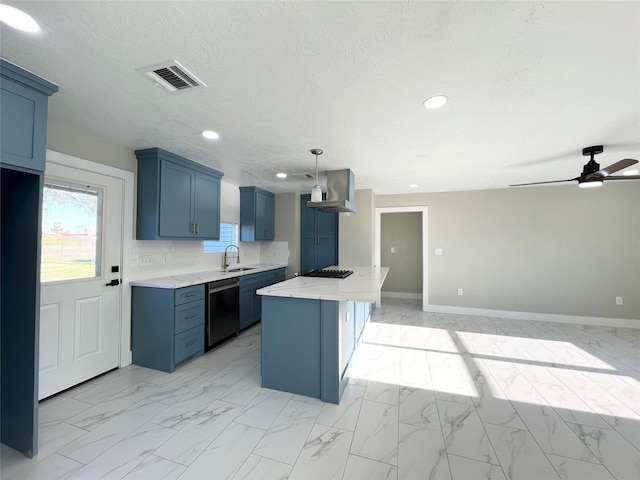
327	273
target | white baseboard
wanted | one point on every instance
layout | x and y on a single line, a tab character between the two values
540	317
410	296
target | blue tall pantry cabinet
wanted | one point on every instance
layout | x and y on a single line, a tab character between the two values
318	237
23	128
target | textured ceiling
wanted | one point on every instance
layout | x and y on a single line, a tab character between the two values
530	85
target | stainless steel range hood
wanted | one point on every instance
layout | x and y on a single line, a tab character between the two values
340	193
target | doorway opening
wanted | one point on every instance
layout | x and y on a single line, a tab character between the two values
423	211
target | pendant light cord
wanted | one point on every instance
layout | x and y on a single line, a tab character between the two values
316	168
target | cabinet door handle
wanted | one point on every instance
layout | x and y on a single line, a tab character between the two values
191	294
188	344
191	316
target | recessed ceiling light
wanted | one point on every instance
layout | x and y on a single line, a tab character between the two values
281	175
210	134
630	172
18	19
435	102
413	185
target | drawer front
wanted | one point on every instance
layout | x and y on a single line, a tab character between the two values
189	315
253	279
276	276
189	294
189	343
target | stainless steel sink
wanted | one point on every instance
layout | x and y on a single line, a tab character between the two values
241	269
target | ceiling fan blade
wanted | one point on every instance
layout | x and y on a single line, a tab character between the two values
541	183
622	177
624	163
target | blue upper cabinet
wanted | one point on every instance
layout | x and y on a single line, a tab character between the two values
23	117
257	214
207	214
177	198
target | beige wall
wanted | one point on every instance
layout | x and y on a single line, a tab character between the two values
358	225
403	233
287	227
550	249
65	139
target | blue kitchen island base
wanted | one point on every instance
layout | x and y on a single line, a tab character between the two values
307	344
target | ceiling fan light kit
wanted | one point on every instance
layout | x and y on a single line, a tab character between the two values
591	184
592	175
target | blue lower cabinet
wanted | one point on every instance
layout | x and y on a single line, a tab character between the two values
250	302
246	307
362	313
188	344
275	276
167	326
307	345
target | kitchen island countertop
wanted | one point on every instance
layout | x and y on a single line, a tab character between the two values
362	286
189	279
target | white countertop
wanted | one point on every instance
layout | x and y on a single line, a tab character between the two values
363	285
188	279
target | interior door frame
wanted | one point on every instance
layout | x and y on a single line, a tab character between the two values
425	242
126	241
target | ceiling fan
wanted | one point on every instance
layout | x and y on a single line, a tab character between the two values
592	175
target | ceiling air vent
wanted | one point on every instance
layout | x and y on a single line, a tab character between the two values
302	176
172	76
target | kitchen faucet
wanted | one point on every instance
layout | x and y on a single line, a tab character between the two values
226	263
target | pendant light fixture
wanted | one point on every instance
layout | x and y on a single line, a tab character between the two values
316	191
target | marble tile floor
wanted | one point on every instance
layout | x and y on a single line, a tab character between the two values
431	396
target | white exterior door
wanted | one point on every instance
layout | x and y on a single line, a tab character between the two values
81	262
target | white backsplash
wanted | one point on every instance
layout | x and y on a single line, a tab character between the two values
160	258
274	252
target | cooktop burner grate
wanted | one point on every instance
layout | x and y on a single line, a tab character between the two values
327	273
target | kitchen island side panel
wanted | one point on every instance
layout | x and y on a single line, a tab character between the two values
331	390
291	344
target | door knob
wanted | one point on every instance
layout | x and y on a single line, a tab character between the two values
113	283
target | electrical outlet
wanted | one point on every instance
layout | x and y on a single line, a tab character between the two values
438	251
460	291
165	258
393	249
145	260
619	301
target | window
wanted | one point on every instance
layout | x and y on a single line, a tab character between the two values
228	236
71	231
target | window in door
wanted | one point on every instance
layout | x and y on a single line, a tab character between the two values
71	231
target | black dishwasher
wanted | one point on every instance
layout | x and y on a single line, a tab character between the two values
223	311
